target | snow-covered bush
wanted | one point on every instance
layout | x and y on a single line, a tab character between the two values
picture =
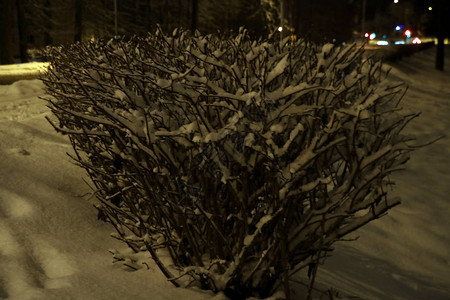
243	160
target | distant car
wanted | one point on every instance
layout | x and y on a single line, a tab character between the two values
382	43
416	41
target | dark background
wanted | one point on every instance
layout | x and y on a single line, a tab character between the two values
33	24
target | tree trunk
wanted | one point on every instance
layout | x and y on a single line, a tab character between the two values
22	32
148	25
194	15
78	20
48	40
6	46
440	54
115	19
440	37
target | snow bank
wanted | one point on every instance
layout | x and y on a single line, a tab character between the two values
12	73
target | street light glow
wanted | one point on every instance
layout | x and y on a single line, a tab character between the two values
430	8
395	1
280	29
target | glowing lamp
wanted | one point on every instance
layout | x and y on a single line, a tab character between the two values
408	33
280	29
366	34
372	36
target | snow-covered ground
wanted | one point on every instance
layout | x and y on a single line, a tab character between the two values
53	247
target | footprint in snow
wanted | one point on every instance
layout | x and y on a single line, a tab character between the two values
24	152
28	263
13	205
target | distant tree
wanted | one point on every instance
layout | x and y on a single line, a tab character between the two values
72	20
218	15
6	45
135	17
272	13
48	21
98	17
22	31
323	20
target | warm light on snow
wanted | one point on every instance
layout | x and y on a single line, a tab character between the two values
11	73
31	67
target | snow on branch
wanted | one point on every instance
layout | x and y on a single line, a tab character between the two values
241	160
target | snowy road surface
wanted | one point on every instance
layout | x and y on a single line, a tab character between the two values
53	247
